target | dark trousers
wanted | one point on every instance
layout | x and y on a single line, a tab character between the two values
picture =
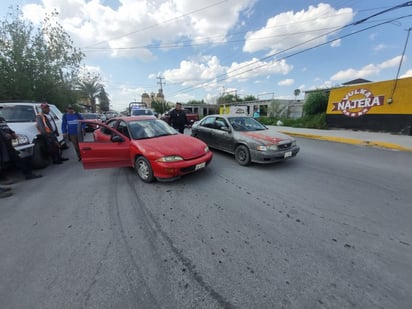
180	129
53	146
23	164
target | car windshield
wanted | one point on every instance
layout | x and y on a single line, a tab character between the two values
150	128
245	124
17	113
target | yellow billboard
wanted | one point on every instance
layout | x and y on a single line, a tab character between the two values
387	97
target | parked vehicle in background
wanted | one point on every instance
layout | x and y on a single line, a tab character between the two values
153	148
21	118
91	126
191	117
142	112
246	138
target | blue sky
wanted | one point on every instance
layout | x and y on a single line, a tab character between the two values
202	49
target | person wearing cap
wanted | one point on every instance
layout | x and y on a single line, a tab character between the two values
178	119
70	126
48	129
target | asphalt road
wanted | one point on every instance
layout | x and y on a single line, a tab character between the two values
328	229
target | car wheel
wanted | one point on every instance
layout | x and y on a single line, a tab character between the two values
144	169
242	155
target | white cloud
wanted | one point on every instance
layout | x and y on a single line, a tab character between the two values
208	70
286	82
379	47
408	73
296	28
367	70
130	28
336	43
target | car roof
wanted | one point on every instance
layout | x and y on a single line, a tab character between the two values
229	115
132	118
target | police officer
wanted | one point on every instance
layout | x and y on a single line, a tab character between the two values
177	118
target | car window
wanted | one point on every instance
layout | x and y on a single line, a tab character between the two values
111	124
208	122
122	128
18	113
245	124
220	123
55	112
150	128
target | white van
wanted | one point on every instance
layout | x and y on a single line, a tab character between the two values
21	118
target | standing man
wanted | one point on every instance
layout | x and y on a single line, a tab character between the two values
48	130
70	126
178	119
256	113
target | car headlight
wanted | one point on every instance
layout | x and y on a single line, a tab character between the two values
266	148
170	159
20	140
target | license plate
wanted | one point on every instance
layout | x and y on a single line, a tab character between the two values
288	154
200	165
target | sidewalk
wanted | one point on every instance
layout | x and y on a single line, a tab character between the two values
374	139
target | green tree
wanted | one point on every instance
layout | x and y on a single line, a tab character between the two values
104	101
37	64
89	89
249	98
296	92
195	102
160	107
316	103
229	98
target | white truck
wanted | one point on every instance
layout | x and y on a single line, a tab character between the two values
21	118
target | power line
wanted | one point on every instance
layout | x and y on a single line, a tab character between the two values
225	76
164	22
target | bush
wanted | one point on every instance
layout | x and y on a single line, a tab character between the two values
317	121
315	104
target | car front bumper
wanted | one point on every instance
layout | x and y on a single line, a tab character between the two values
173	170
266	157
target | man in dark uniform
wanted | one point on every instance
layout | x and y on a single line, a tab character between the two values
177	118
8	152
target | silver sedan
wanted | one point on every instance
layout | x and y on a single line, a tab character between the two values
246	138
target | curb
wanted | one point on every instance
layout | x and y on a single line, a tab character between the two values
352	141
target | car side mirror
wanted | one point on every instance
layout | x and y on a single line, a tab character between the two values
117	139
227	129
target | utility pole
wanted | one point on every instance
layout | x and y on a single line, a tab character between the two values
160	82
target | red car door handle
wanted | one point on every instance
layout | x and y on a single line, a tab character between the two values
86	148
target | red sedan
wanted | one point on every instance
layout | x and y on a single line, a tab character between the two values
152	147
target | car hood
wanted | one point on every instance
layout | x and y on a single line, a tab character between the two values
24	128
180	144
268	137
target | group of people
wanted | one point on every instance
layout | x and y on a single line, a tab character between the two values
48	132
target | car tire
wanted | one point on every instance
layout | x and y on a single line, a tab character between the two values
242	155
144	169
40	159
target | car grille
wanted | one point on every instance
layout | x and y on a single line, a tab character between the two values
284	146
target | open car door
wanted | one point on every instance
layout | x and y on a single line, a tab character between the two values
113	151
